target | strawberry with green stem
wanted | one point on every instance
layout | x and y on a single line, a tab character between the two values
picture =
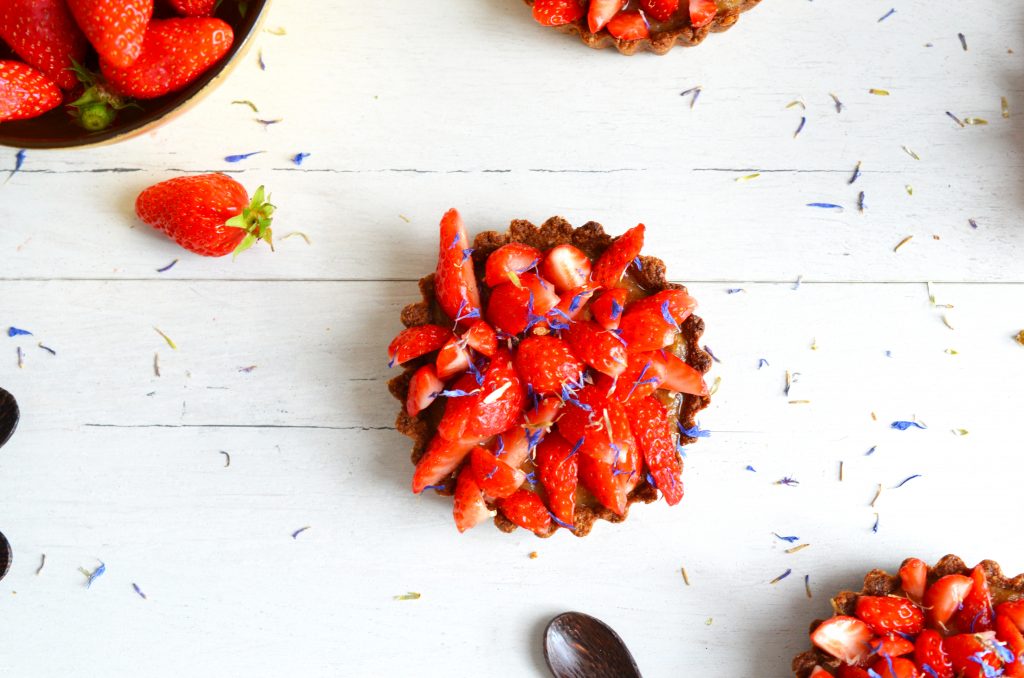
97	107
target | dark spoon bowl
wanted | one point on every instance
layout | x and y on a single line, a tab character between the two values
9	415
56	129
577	645
5	556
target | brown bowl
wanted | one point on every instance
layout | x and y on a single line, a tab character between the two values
56	129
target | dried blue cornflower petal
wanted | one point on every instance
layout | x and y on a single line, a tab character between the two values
19	160
47	349
296	533
839	104
666	315
871	451
560	523
695	432
883	18
826	206
577	300
799	280
707	349
138	590
751	468
973	223
762	363
576	448
956	119
907	480
929	670
787	481
963	40
638	263
433	487
268	123
467	253
800	127
904	425
999	649
299	157
167	267
781	576
734	290
260	61
15	332
786	539
458	393
616	310
874	528
241	156
861	205
95	574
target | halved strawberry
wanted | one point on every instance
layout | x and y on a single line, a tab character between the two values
892	645
647	330
930	653
544	414
845	638
546	363
971	653
513	308
440	460
655	436
455	280
601	12
620	254
702	12
597	347
895	667
1007	632
510	261
424	387
888	614
643	375
847	671
605	482
557	12
1014	611
662	10
976	614
558	471
629	25
818	672
452	359
469	508
482	338
525	509
679	376
676	305
412	342
944	597
608	306
494	408
572	303
566	267
600	423
914	578
496	478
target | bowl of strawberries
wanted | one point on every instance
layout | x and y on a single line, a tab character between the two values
83	72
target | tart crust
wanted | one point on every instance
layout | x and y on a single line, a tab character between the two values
660	42
592	239
881	583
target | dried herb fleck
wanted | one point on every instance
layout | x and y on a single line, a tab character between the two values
781	576
412	595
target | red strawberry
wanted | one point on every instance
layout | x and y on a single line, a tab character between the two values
602	424
847	671
818	672
702	12
567	267
510	261
968	651
482	338
888	614
662	10
424	387
655	436
557	12
1007	632
43	33
494	408
25	92
114	27
679	376
620	254
895	667
607	482
209	214
455	281
572	303
845	638
930	652
976	614
629	25
452	359
675	304
601	12
546	363
643	375
647	330
525	509
892	645
1014	611
412	342
469	507
914	578
543	416
174	53
558	472
943	598
597	347
513	308
194	7
440	460
496	478
607	308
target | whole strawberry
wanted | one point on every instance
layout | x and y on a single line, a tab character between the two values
43	33
114	27
25	92
209	214
174	53
194	7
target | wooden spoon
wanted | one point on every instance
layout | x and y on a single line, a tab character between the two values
8	416
577	645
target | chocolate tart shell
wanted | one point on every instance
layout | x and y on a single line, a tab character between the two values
659	42
881	583
592	240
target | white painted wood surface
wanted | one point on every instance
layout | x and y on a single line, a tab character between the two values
407	109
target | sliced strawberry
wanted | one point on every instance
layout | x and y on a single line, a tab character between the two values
680	305
455	281
482	338
558	471
818	672
969	653
525	509
544	414
513	446
567	267
679	376
629	25
492	409
412	342
888	614
930	653
895	667
845	638
944	597
470	509
557	12
1008	633
510	261
847	671
547	363
976	614
496	478
647	330
620	254
439	461
702	12
914	578
655	436
603	482
662	10
643	375
452	359
892	645
601	12
572	303
608	307
597	347
424	387
513	308
1014	611
601	423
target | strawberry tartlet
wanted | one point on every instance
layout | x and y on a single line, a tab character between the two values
550	376
634	25
947	621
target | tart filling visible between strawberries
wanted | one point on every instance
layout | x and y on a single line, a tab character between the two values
545	380
949	621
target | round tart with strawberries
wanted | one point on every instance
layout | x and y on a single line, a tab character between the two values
551	376
947	621
633	25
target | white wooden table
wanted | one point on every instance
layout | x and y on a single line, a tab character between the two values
408	108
